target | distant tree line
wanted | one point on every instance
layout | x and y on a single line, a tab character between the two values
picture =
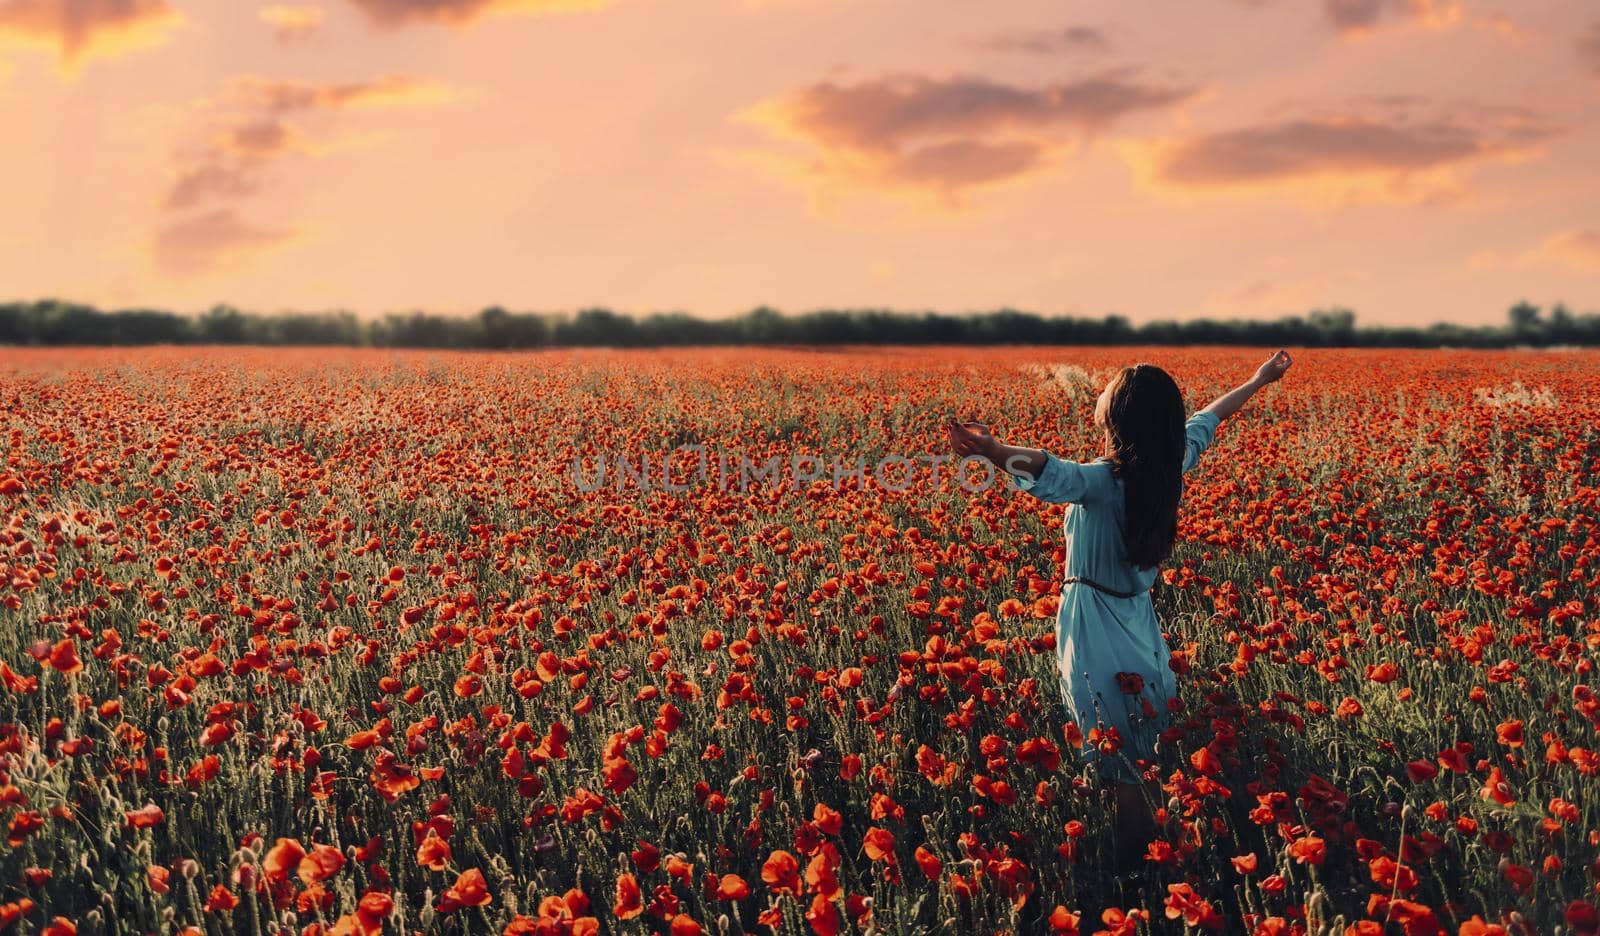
52	322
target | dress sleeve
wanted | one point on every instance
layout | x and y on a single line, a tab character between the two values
1198	433
1061	482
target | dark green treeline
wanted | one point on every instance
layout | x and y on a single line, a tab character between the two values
52	322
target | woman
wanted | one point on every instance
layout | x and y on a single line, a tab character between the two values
1124	519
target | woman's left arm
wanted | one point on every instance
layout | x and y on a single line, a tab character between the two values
1232	401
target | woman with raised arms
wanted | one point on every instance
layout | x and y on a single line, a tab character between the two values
1121	526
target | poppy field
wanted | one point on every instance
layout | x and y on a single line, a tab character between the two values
334	641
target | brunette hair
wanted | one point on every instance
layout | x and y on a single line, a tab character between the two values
1143	418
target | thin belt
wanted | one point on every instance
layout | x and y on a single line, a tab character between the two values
1080	580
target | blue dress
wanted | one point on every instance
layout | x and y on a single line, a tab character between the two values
1106	644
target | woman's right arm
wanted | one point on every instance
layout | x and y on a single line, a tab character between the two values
971	438
1033	470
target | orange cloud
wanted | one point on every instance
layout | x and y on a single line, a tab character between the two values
259	127
1589	48
1340	158
257	123
888	112
1050	41
82	29
266	137
1280	292
293	23
211	179
1577	249
929	137
1501	25
460	12
213	240
1358	17
280	97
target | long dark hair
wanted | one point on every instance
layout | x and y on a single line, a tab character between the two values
1143	418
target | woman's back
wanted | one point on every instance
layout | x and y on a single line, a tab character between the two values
1095	523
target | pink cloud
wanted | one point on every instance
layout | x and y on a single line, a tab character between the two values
1352	156
1589	48
1577	249
215	239
1052	41
255	125
947	135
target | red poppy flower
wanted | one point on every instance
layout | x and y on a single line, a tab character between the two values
1497	788
145	817
282	860
879	844
732	887
469	890
629	902
781	872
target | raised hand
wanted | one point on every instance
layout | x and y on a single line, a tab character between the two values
970	438
973	439
1274	369
1270	372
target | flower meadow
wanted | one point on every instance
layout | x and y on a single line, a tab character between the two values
329	641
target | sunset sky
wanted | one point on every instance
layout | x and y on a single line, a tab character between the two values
1416	160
